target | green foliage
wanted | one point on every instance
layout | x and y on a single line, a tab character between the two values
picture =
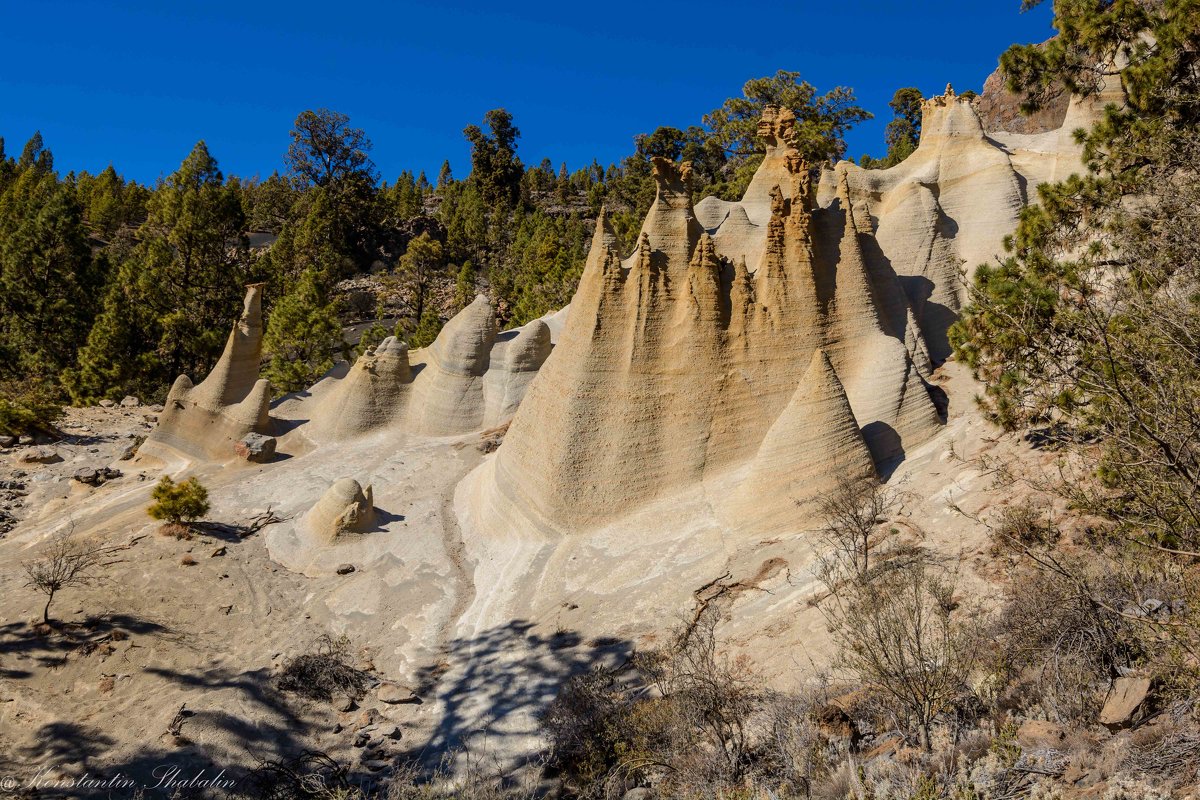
495	169
169	307
821	122
303	333
178	503
47	273
326	151
421	263
428	327
903	133
27	406
1097	309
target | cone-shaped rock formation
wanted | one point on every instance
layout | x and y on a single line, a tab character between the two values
205	421
344	508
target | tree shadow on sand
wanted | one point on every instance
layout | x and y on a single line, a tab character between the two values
494	686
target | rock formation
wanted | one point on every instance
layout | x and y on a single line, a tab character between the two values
470	378
681	364
344	508
206	421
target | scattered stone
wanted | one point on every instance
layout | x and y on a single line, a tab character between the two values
640	793
157	409
107	684
8	441
220	551
375	765
394	694
131	449
337	727
392	732
255	448
39	455
368	720
97	476
361	738
106	403
343	703
12	486
1125	700
150	418
345	569
129	401
25	439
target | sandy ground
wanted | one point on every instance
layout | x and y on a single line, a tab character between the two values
482	627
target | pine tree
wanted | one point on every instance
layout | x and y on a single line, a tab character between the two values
303	333
47	273
171	304
445	176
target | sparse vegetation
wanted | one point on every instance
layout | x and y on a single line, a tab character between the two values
325	673
64	563
179	504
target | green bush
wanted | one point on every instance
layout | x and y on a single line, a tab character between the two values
26	408
178	503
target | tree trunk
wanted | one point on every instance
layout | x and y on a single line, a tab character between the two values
46	610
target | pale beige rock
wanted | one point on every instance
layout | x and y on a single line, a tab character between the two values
812	444
1125	700
344	508
469	379
206	421
674	364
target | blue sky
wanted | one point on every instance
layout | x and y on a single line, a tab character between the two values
136	84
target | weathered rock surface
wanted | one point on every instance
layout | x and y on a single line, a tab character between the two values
1125	702
256	448
344	508
205	421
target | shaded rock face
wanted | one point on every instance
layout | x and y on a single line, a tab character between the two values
206	421
694	360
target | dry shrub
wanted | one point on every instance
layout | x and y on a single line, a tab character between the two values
324	673
187	561
900	633
1022	526
175	530
311	774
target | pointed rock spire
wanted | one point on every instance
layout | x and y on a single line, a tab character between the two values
812	443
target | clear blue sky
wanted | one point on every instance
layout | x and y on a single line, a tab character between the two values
138	83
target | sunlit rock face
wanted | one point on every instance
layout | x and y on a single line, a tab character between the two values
693	359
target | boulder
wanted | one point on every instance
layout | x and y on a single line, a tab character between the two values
106	403
8	441
39	455
96	476
394	694
345	569
1125	702
255	448
129	401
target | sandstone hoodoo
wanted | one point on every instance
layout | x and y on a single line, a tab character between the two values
707	468
206	421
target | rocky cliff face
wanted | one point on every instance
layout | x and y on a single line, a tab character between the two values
1000	110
